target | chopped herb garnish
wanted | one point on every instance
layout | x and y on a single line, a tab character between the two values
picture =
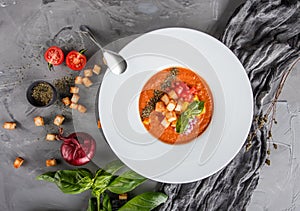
169	79
158	93
151	103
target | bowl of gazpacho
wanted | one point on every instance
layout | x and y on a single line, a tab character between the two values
176	105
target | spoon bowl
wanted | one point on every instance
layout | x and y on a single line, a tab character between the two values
114	61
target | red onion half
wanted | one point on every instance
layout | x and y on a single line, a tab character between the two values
78	148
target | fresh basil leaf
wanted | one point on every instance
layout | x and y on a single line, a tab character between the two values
182	123
196	105
101	181
106	202
92	204
200	105
104	176
195	113
126	182
114	166
74	181
145	202
193	106
197	108
48	176
178	123
193	109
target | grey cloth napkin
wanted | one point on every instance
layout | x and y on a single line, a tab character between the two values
265	36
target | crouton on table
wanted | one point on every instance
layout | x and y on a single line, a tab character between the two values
81	108
75	98
66	101
59	120
73	105
9	125
74	90
38	121
51	137
18	162
97	69
87	82
78	80
51	162
88	72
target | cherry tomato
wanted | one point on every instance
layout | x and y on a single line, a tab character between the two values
54	56
76	60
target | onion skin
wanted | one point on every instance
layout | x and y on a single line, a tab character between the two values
78	148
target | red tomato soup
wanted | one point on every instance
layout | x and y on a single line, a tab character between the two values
176	105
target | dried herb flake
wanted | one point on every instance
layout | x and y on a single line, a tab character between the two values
151	104
169	79
63	85
42	93
158	93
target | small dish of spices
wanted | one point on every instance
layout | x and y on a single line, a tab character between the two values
41	94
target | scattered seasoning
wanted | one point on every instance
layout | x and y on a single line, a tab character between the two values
158	93
275	146
63	85
151	104
268	162
171	77
42	93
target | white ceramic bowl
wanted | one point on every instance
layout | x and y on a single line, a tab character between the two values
231	119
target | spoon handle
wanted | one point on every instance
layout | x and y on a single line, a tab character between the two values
85	29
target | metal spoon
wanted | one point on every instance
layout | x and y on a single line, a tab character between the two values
114	61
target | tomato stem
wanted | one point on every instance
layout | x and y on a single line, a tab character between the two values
50	66
82	51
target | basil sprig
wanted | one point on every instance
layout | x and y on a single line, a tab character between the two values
79	180
193	109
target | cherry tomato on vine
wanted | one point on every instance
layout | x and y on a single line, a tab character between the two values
54	56
76	60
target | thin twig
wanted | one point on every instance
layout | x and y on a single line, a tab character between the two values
281	85
261	121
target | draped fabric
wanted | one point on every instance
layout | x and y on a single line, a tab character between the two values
265	36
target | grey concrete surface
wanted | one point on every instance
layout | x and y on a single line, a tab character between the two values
28	27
